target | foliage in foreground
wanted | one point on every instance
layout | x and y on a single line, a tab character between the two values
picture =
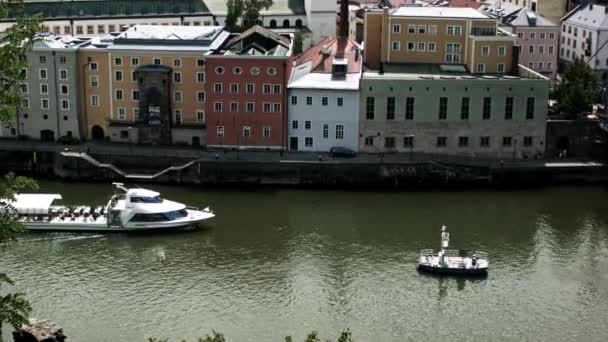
14	308
14	43
345	336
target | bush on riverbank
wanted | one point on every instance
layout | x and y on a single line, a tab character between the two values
345	336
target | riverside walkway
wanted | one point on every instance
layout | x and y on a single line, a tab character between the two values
190	155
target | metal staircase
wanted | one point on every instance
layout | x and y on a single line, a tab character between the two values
96	163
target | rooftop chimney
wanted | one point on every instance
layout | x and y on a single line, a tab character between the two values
343	29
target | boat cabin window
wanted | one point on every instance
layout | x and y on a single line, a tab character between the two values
156	199
159	217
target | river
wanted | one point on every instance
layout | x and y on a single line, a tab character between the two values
286	262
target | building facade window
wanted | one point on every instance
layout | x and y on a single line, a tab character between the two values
121	115
408	142
308	141
294	124
409	108
118	94
200	97
177	114
234	88
309	100
325	131
118	61
443	108
94	100
508	108
277	89
246	131
177	77
463	141
43	74
370	103
177	97
217	107
324	101
484	141
63	75
390	108
464	108
219	131
487	108
217	88
134	61
266	130
442	141
389	142
340	101
528	141
339	132
369	141
65	104
118	76
234	107
507	141
530	103
396	28
250	107
294	100
200	77
307	125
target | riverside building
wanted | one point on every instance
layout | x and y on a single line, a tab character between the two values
147	84
245	101
323	94
446	81
50	94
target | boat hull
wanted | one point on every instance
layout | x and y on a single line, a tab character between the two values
482	271
102	227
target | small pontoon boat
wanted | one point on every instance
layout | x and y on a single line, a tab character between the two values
452	261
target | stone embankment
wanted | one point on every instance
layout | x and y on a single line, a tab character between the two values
190	166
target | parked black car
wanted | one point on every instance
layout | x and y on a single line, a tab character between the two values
342	152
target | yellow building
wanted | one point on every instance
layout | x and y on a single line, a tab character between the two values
438	35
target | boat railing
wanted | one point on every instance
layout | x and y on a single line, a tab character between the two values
427	252
452	253
480	255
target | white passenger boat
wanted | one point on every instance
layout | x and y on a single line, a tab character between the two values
128	210
452	261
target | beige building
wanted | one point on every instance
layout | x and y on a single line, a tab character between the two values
162	66
437	35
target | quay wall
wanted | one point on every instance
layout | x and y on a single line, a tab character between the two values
324	174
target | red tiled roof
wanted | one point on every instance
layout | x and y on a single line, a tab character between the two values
322	55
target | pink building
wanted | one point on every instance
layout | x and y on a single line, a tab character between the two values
245	90
538	37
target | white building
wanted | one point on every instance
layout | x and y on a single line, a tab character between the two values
323	97
584	35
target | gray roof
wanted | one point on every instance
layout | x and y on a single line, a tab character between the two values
279	7
105	8
593	16
528	18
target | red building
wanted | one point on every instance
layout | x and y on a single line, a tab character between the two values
245	88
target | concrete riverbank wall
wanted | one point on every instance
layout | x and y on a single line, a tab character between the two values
341	173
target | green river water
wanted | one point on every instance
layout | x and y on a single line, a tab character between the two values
286	262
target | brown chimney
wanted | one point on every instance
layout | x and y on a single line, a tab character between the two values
343	30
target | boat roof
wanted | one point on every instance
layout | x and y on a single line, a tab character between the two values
142	192
34	203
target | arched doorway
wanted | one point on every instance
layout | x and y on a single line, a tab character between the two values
299	23
286	23
273	23
47	135
97	133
